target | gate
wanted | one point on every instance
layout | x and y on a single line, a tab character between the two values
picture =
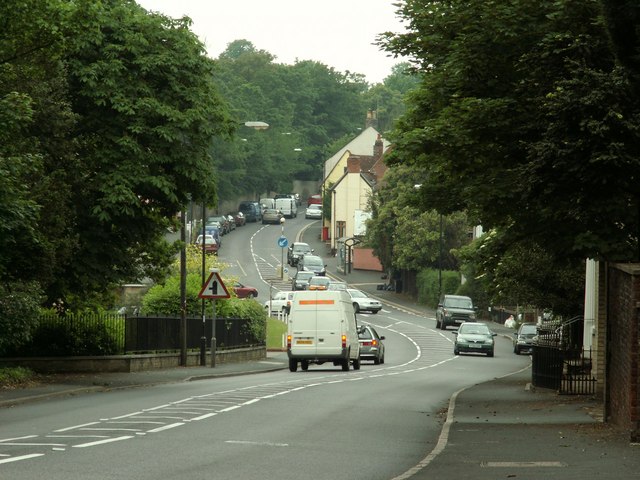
559	361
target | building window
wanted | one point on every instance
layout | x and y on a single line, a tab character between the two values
341	228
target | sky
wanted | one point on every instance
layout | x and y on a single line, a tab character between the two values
337	33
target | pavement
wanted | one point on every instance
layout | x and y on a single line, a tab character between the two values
504	428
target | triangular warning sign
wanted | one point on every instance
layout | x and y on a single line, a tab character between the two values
214	287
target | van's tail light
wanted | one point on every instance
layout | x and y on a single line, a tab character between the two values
288	342
344	341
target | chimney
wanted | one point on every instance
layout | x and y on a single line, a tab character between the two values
353	164
378	148
372	119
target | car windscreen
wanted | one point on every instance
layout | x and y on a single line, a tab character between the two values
458	303
313	262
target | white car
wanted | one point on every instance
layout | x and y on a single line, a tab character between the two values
313	211
280	303
362	302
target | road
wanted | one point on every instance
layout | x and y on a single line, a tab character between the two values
375	423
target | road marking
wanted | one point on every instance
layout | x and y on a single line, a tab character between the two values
166	427
268	444
523	464
102	442
23	457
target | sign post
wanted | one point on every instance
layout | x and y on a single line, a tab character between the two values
282	243
213	289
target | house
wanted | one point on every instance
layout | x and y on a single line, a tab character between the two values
350	182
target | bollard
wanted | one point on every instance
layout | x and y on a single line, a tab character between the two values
203	351
213	352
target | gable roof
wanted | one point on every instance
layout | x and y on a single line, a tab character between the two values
361	145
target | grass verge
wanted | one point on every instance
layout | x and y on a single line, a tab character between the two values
12	377
276	329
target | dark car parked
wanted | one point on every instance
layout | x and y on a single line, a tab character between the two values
250	210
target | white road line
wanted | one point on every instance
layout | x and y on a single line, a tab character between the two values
23	457
17	438
523	464
166	427
246	442
102	442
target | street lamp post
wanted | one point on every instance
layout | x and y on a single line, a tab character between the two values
282	249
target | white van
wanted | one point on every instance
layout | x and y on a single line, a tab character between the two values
266	203
287	206
322	328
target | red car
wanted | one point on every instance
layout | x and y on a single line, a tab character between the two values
244	291
240	219
210	244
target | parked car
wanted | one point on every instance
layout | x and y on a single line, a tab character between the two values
221	220
314	200
523	339
371	346
474	337
363	302
280	303
271	215
244	291
232	222
240	219
312	263
313	211
454	310
250	210
297	250
301	280
318	283
215	231
210	244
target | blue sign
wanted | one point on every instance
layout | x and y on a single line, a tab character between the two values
283	242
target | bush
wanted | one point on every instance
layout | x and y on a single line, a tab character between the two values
427	283
19	306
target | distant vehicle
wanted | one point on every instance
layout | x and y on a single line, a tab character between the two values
215	231
524	338
337	286
314	200
474	337
454	310
280	303
363	302
371	346
297	250
300	280
267	203
232	222
318	283
240	219
210	244
249	210
244	291
313	211
222	220
312	263
271	215
287	206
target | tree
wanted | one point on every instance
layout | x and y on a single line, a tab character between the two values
523	120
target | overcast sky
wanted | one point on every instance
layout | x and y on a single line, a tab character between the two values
338	33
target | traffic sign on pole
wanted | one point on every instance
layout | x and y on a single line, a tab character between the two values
283	242
214	287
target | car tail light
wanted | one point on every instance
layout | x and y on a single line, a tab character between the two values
344	341
366	344
288	342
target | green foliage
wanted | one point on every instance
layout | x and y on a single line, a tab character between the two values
428	285
524	121
15	376
19	306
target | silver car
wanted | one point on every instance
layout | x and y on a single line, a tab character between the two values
362	302
371	346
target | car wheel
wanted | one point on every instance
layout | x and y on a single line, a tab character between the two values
490	354
456	352
356	364
376	361
345	365
252	295
516	351
293	365
382	358
374	311
356	307
304	364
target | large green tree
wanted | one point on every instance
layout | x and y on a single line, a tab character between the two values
523	120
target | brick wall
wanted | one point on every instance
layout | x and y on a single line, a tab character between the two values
623	338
